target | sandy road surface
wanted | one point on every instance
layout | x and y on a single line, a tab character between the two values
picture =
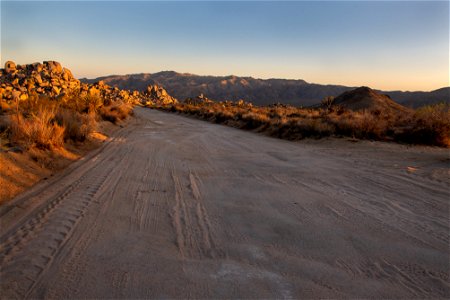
174	207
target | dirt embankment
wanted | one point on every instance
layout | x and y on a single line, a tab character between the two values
174	207
20	169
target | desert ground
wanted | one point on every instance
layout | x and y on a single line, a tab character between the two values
172	207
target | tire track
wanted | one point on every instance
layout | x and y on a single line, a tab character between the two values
44	243
190	220
76	265
208	242
27	250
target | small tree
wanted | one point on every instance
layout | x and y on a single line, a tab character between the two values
327	102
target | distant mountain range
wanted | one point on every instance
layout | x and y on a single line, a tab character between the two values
257	91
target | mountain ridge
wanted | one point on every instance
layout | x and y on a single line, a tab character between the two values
258	91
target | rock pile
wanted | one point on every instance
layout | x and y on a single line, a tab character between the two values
199	100
50	78
108	93
19	82
242	103
156	95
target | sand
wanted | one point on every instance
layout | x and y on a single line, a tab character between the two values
174	207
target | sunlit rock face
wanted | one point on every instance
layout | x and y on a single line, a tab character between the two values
47	78
51	79
157	95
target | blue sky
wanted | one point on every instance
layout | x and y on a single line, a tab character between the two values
383	44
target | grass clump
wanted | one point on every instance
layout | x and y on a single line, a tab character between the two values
39	129
47	123
429	125
77	126
116	112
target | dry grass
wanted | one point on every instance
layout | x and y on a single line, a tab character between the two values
47	123
40	135
77	126
39	129
429	125
116	112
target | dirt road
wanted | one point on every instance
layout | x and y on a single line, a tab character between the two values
179	208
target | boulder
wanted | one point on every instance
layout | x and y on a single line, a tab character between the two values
37	78
56	90
66	74
15	94
53	66
10	66
37	67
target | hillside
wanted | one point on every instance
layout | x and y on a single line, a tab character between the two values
258	91
366	98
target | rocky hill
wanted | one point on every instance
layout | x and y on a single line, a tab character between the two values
258	91
366	98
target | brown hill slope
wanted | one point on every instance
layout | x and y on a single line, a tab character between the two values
366	98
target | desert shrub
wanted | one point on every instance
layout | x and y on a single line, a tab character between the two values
223	116
116	112
429	125
77	126
313	127
327	102
34	104
4	107
362	124
254	119
95	102
5	124
40	129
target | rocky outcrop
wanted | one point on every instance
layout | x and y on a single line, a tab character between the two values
108	93
156	95
10	67
243	103
50	79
